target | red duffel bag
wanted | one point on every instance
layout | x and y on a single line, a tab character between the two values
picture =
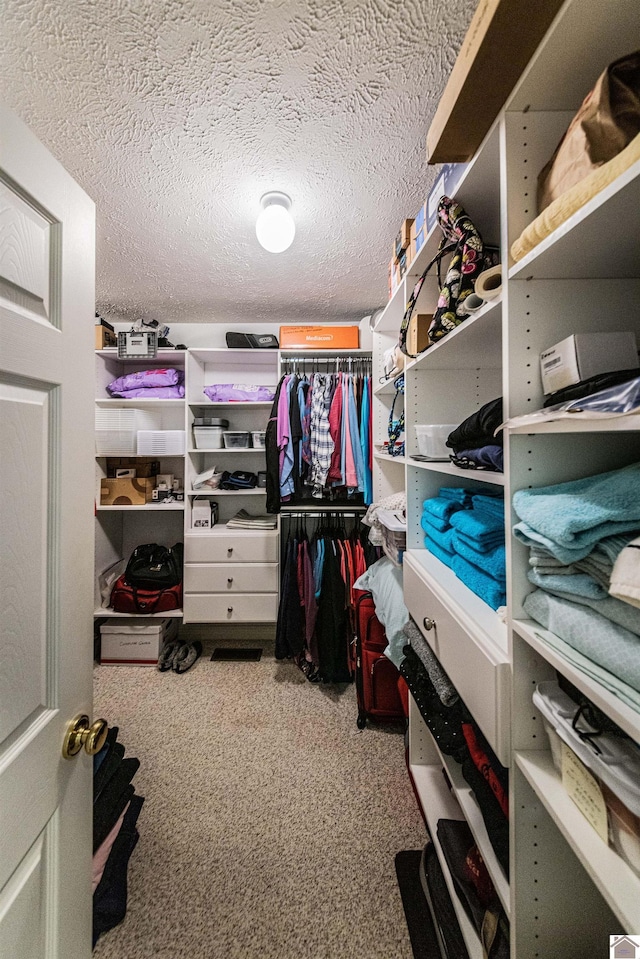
133	599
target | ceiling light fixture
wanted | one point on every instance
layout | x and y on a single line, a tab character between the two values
275	228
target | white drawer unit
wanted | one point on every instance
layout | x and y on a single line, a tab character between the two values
231	578
231	547
236	608
477	667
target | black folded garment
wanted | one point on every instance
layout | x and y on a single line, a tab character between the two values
109	767
478	429
593	385
496	823
442	911
444	722
489	919
112	800
110	897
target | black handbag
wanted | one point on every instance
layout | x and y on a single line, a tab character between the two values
154	567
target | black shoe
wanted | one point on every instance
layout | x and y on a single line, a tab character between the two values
186	657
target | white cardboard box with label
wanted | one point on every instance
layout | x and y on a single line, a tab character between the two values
583	355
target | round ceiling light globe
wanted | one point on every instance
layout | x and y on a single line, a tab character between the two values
275	228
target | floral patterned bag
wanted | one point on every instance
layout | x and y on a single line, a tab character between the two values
461	239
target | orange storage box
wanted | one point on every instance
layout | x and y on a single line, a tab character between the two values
319	337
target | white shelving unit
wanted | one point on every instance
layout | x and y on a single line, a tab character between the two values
568	891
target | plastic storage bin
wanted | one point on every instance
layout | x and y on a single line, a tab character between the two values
208	432
117	429
394	534
237	440
161	442
258	439
432	439
130	642
613	760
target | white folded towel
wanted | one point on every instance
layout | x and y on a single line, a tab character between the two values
625	578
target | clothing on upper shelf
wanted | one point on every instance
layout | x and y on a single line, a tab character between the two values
319	437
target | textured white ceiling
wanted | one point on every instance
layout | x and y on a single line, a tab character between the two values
177	115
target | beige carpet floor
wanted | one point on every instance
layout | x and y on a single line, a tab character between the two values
270	823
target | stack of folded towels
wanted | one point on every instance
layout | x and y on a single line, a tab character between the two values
465	531
579	535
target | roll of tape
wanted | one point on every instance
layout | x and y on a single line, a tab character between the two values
489	284
473	303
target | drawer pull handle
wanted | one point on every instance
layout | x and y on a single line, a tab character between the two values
230	580
428	623
230	551
229	609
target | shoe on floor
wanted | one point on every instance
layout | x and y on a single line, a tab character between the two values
167	654
186	657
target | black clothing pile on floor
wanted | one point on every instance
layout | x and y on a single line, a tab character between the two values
115	812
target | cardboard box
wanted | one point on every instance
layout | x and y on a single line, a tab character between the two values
502	38
583	355
419	229
418	332
126	491
142	466
319	337
104	338
403	238
134	642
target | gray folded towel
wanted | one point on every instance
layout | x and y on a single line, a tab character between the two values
443	686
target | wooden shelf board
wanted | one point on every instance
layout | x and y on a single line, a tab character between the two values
480	476
575	424
476	343
148	507
111	614
622	714
618	884
139	401
438	803
384	457
225	450
245	405
111	353
593	243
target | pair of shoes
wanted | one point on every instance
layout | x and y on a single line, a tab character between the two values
186	657
168	653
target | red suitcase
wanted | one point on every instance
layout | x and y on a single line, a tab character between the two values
376	676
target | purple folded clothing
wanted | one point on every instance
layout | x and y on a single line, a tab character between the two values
157	392
239	393
145	379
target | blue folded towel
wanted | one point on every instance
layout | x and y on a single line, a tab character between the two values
480	529
441	508
493	562
489	504
612	609
442	539
459	494
576	584
430	522
570	518
483	586
441	554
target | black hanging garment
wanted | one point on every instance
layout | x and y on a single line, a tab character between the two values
272	455
331	624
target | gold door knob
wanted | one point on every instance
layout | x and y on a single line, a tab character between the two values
80	732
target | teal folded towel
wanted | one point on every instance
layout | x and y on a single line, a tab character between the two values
576	584
483	586
430	522
440	507
569	519
490	504
613	609
605	643
480	529
442	539
493	562
439	553
459	494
